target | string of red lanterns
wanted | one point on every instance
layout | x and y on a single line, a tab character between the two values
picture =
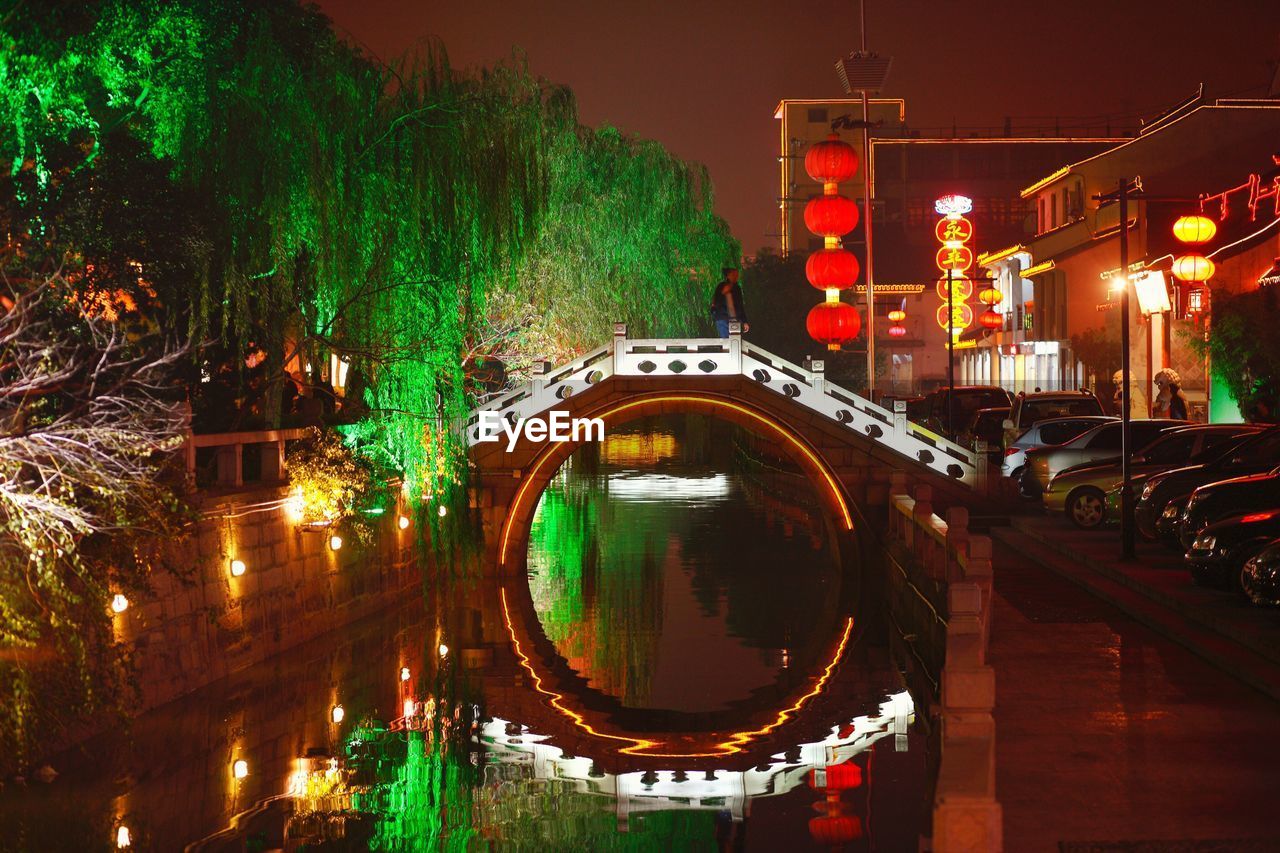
1193	269
832	268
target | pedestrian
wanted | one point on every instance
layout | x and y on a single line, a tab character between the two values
726	303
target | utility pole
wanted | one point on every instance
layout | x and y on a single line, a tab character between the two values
866	212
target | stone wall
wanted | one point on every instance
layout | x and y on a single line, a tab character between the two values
208	624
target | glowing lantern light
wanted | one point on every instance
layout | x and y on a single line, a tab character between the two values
958	258
1196	268
1194	229
442	511
835	829
833	324
831	215
897	331
990	296
832	269
897	315
404	673
953	231
240	768
990	320
124	839
403	522
444	650
953	205
238	568
119	603
335	542
338	714
831	161
409	706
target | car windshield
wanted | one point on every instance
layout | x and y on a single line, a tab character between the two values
1038	410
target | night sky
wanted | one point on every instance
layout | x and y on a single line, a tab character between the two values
703	76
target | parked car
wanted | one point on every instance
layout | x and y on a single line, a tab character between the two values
1260	576
965	400
1164	495
1042	434
1216	501
984	425
1207	455
1101	442
1080	492
1218	554
1027	409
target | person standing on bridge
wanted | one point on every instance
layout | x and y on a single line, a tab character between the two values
726	303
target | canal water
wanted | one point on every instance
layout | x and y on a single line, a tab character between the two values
693	660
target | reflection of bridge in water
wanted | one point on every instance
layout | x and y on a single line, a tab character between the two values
515	753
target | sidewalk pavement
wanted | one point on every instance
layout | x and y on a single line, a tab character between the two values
1156	589
1110	737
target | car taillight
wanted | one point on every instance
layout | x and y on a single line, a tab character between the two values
1009	451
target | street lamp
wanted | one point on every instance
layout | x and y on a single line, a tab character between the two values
1125	188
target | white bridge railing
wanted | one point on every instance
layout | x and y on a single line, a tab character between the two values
732	356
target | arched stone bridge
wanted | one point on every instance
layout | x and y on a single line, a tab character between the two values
846	444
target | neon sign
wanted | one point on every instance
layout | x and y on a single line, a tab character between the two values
954	259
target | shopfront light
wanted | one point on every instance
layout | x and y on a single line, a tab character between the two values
240	768
238	568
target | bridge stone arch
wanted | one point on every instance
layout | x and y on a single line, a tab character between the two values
845	444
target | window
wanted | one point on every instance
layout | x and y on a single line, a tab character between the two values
817	115
1053	207
1170	449
1041	222
1107	438
1063	431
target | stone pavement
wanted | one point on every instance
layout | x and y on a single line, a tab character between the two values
1111	737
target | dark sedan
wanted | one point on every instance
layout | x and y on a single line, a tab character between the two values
1164	495
1216	501
1260	577
1220	551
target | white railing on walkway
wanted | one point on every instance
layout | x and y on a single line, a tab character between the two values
698	357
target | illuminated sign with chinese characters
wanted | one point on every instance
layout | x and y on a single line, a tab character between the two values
954	259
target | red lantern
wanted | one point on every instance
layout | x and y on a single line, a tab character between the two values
831	215
831	161
897	331
833	323
832	269
897	315
835	829
990	319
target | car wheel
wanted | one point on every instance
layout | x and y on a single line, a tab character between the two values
1016	474
1236	562
1086	507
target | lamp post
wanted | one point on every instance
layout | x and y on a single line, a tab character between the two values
1125	188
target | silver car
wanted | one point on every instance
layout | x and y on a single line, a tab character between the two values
1101	442
1042	433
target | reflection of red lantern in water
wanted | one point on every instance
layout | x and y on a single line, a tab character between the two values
839	777
833	829
833	323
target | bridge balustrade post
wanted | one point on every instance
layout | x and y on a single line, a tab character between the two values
539	381
900	419
735	346
957	539
980	464
817	377
619	347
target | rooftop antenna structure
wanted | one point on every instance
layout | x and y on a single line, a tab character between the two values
865	72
